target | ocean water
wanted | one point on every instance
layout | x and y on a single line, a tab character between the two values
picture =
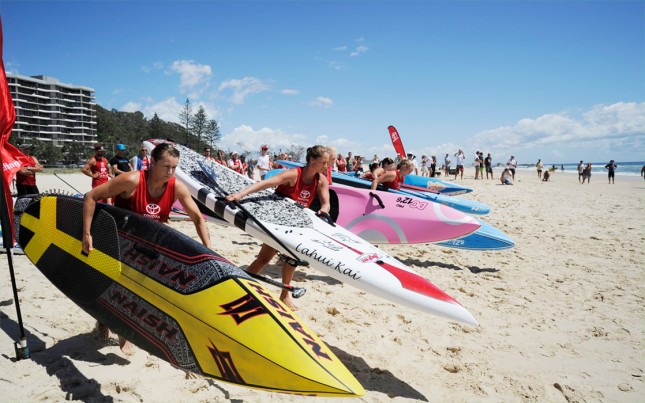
624	168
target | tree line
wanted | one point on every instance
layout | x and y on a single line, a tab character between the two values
196	131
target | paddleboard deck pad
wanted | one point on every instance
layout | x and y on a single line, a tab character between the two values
177	299
329	248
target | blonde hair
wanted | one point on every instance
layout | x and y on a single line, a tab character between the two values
316	151
405	163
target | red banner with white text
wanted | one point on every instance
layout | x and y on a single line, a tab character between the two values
396	142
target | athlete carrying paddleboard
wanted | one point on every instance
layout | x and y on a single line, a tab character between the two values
177	299
150	193
386	218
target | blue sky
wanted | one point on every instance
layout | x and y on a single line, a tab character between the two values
556	80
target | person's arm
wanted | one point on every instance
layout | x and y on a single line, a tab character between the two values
36	168
323	194
187	202
122	184
387	176
87	168
289	176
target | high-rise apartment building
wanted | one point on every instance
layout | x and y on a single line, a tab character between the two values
51	111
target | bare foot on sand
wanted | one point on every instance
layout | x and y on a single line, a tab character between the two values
288	302
102	331
126	347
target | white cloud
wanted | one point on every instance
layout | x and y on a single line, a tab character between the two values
245	138
613	128
287	91
169	109
193	78
131	107
243	88
340	49
322	102
359	49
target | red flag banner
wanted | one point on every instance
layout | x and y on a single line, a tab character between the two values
9	155
396	141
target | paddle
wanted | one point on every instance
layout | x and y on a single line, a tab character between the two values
296	292
210	173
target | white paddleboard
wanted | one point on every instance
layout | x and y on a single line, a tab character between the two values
331	249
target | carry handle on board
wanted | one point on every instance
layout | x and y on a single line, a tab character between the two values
210	173
378	199
326	217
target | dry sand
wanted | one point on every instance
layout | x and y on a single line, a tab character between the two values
561	315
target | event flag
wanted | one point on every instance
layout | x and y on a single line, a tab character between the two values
396	141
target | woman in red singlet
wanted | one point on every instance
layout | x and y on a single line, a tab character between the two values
301	185
137	189
393	179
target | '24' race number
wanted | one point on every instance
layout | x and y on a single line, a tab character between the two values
411	202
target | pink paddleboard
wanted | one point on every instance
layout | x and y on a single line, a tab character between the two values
389	218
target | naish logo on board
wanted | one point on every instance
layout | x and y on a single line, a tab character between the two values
226	365
243	308
327	261
158	269
316	348
141	312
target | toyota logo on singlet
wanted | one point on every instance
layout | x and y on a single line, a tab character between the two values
304	194
153	209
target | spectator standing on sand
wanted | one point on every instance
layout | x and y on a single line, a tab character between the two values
581	167
446	165
26	176
488	162
341	163
264	162
586	174
611	167
539	167
207	154
459	161
512	165
98	168
477	161
433	166
120	163
424	165
140	162
235	163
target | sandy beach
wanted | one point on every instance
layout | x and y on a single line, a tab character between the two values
561	316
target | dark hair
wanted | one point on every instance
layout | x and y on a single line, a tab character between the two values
158	152
386	161
373	166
